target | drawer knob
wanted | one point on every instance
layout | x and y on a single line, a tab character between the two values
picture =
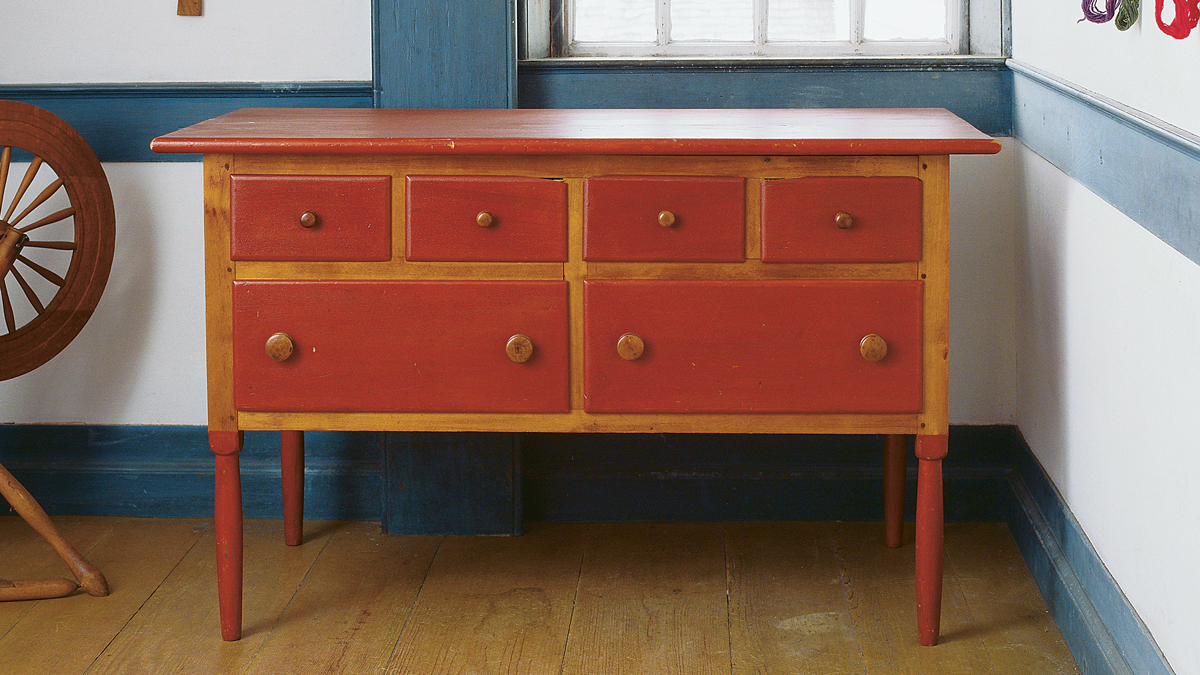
873	348
666	219
485	219
308	219
630	346
519	348
280	347
843	220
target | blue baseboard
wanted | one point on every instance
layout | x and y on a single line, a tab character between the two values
489	483
1100	626
167	471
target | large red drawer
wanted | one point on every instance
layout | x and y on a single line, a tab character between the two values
841	219
664	218
343	218
400	346
753	346
486	219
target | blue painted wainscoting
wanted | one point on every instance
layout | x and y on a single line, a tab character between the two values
120	120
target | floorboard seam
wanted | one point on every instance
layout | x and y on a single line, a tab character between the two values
416	599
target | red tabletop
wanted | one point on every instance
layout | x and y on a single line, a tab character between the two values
771	131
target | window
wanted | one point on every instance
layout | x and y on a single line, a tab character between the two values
744	28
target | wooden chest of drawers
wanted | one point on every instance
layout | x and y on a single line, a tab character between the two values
762	271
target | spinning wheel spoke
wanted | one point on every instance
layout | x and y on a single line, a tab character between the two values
52	218
9	319
38	201
56	245
29	294
30	173
46	274
5	158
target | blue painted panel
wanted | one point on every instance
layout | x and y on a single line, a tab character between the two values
445	54
728	477
1146	169
119	121
980	94
452	483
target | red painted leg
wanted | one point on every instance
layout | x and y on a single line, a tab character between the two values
227	518
291	462
894	446
930	450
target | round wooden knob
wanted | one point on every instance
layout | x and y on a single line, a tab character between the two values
873	348
485	219
308	219
843	220
280	347
630	346
666	218
519	348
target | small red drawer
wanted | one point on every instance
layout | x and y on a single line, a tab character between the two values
486	219
400	346
345	218
841	219
752	346
646	219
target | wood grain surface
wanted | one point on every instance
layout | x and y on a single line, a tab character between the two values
741	598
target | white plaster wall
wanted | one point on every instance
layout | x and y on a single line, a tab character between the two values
140	359
71	41
1109	392
1142	68
983	360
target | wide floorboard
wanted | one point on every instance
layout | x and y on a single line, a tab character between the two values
594	599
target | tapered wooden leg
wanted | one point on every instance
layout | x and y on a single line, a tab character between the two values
291	462
227	521
929	450
27	507
894	478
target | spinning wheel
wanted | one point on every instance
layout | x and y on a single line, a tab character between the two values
57	231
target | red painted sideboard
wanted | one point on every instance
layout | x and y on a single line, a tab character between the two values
751	271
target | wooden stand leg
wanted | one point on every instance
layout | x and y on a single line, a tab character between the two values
291	462
227	519
27	507
930	450
894	478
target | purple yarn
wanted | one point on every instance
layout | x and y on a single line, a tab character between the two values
1096	16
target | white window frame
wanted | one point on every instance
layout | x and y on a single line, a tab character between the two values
548	33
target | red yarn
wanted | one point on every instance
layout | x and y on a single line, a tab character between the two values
1187	15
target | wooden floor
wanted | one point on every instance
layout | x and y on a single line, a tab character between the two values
644	599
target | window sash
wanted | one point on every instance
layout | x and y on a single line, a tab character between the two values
563	44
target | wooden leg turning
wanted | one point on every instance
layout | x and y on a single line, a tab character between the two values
929	450
27	507
894	478
227	520
291	462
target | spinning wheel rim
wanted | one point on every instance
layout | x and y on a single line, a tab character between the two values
56	144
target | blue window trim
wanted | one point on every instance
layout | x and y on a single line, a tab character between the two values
977	89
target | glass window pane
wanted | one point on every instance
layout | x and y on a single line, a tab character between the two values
615	21
712	20
905	20
808	20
